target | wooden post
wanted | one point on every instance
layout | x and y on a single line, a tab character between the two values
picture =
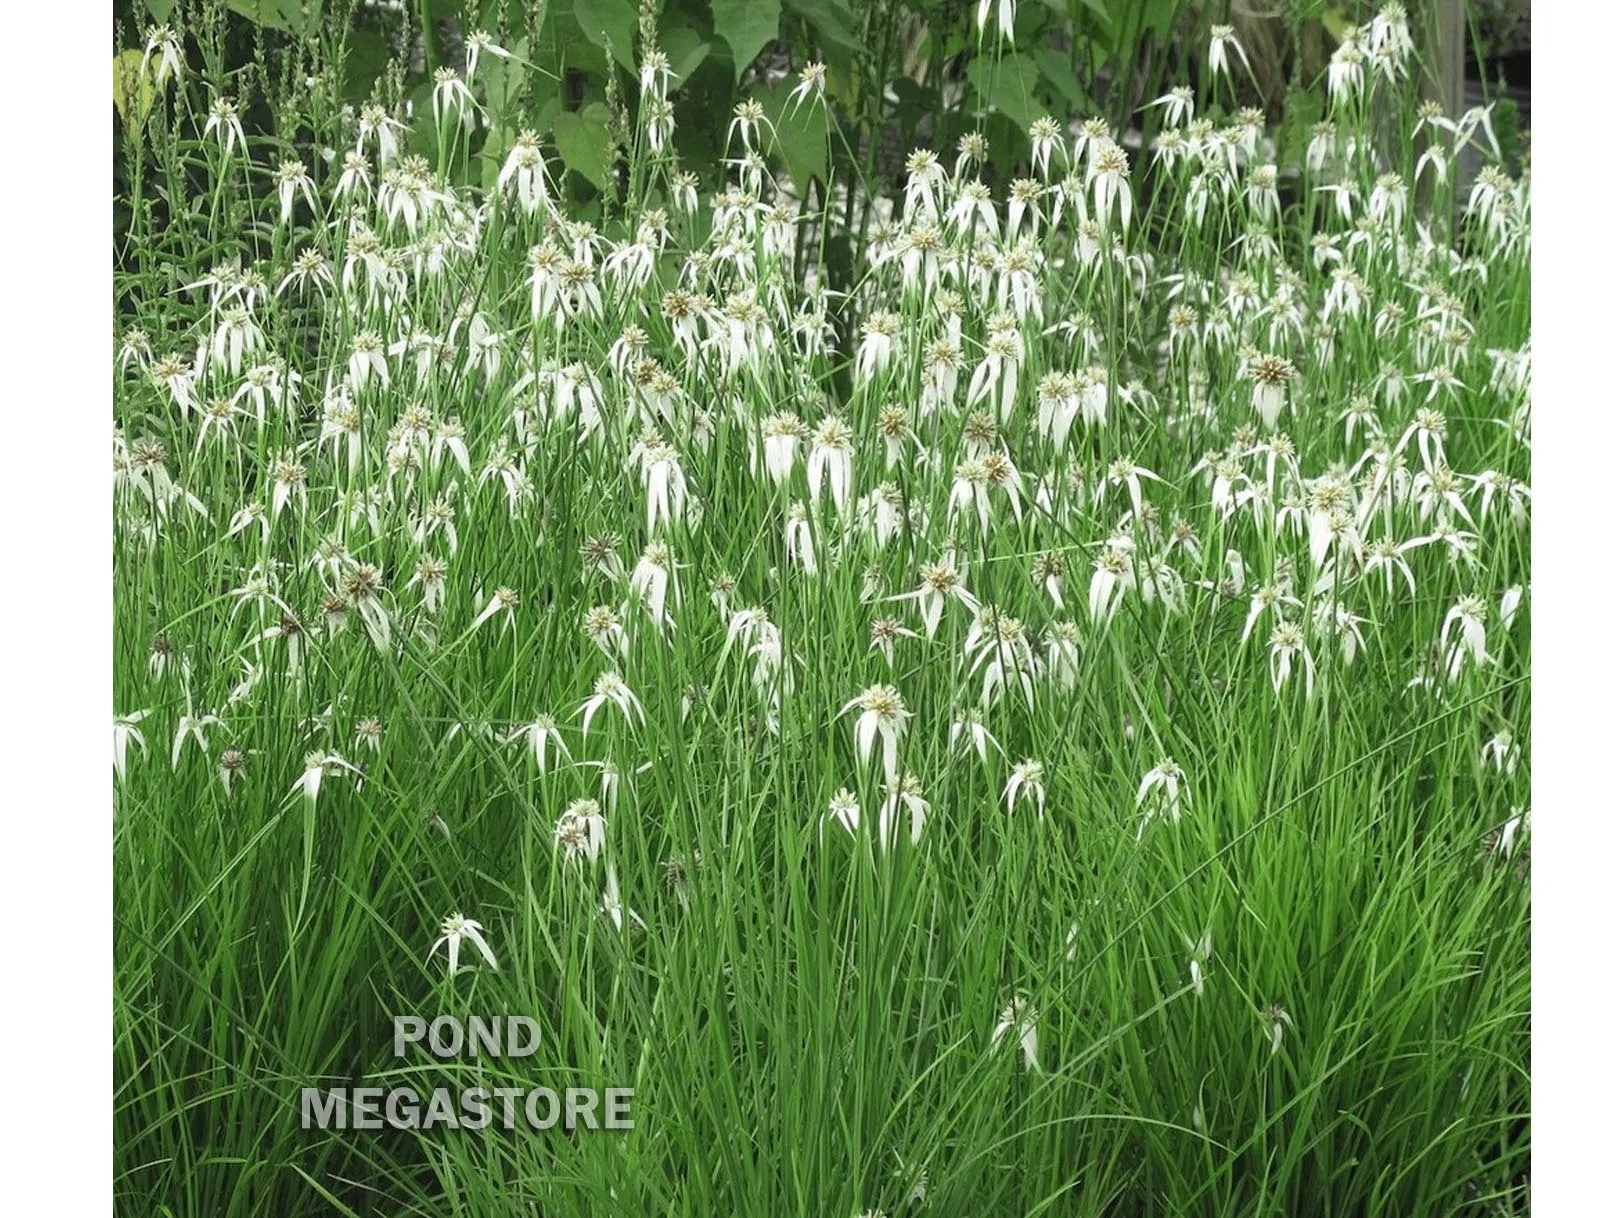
1449	56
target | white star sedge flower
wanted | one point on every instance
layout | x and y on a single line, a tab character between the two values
973	207
1049	569
781	434
1505	838
1269	375
224	124
1467	620
504	600
581	831
1021	1018
970	487
655	73
1000	367
1509	602
903	795
1114	575
1201	955
1441	379
800	538
970	734
542	735
1345	625
747	120
524	169
1390	28
1387	556
291	180
315	766
612	903
652	581
1124	472
1427	430
1109	179
605	630
1026	783
1276	1022
1342	195
376	123
665	486
355	179
162	41
1262	192
1005	15
1179	105
455	930
611	781
478	42
610	688
940	583
883	632
1045	137
1345	75
1321	148
1061	657
368	733
745	626
1388	200
135	348
831	460
844	809
1162	794
1221	40
881	714
191	726
1285	644
878	346
1502	752
810	86
177	376
1268	597
367	358
231	769
450	95
124	731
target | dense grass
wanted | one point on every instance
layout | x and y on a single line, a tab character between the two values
808	1016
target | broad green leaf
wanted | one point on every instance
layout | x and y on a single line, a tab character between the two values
746	25
492	156
1058	70
686	50
368	53
502	79
132	89
610	21
914	103
1008	86
569	49
1302	111
272	14
1161	14
161	10
802	135
1335	22
831	21
582	141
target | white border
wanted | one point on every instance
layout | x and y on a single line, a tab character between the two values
56	598
1575	439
